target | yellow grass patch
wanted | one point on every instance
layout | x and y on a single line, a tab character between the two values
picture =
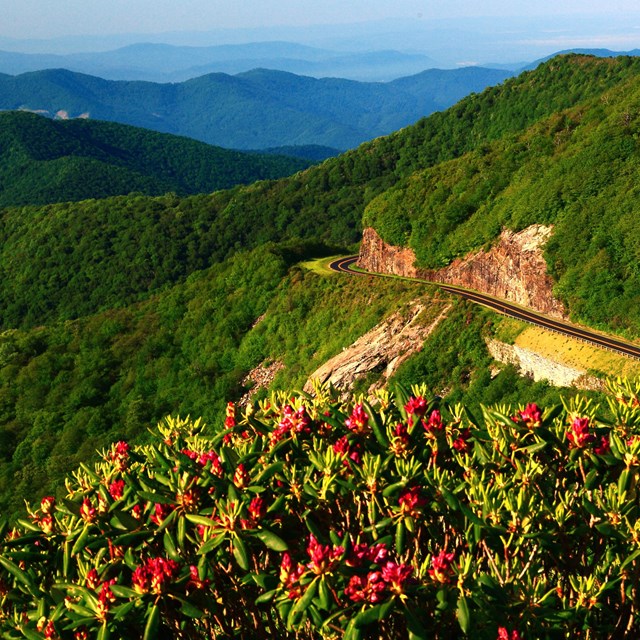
578	354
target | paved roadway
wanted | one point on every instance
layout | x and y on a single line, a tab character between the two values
344	265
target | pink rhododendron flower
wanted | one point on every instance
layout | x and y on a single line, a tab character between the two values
415	407
241	476
160	512
322	557
397	576
441	569
92	579
362	552
578	434
411	502
461	443
503	634
116	489
369	588
194	579
87	511
531	416
352	452
230	420
292	422
47	504
154	574
120	455
289	576
358	421
434	424
257	508
604	447
46	523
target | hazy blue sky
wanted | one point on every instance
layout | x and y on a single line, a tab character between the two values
46	18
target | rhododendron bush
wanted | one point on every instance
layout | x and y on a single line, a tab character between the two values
392	517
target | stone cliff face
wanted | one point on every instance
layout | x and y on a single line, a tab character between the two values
382	350
514	269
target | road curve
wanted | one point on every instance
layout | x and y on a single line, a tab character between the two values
345	265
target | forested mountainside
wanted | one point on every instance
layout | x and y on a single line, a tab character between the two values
118	311
44	161
575	170
322	204
252	110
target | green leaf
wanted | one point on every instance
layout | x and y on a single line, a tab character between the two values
170	545
534	448
415	627
464	619
400	537
123	592
19	574
212	544
122	611
324	594
125	520
402	397
240	553
472	517
190	610
302	604
30	634
393	488
271	540
196	519
376	426
368	616
623	482
153	623
103	634
266	597
449	498
268	472
156	498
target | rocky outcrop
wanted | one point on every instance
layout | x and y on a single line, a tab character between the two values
513	269
259	378
381	350
533	365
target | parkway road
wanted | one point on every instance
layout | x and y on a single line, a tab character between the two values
346	265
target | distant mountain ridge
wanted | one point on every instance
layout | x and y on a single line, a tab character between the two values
155	62
253	110
45	161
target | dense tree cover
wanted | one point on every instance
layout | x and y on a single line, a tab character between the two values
44	161
69	388
252	110
385	517
323	203
575	170
67	385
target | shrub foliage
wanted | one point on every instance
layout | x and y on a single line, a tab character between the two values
396	516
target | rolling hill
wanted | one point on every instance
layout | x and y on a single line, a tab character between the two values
253	110
44	161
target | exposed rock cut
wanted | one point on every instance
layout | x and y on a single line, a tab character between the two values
383	349
514	269
533	365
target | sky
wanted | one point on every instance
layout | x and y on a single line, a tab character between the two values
24	19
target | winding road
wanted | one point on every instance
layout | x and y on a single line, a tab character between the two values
345	265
